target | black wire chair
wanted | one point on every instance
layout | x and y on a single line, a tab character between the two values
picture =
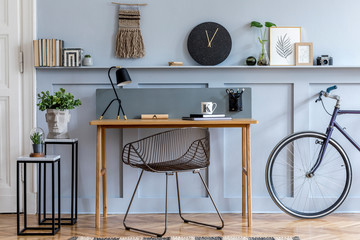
170	152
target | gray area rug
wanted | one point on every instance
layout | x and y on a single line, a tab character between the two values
188	238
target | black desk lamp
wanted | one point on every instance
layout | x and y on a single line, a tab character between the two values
122	78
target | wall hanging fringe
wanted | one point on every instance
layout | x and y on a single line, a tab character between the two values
129	41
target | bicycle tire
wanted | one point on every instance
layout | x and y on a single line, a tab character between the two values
331	181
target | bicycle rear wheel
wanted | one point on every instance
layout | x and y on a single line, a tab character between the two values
299	194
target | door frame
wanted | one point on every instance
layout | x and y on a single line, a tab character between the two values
28	90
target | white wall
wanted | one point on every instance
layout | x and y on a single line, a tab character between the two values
283	98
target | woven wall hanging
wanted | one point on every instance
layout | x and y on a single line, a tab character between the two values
129	41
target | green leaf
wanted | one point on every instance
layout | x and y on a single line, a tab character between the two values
256	24
270	24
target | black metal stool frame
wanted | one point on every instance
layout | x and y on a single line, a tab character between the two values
53	229
74	169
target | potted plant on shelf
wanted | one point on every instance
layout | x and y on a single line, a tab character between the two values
263	57
87	60
57	108
37	138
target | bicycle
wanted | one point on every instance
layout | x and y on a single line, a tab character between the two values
308	174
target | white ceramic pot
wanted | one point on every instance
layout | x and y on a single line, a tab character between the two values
57	121
87	61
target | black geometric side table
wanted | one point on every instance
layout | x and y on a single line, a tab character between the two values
48	159
74	181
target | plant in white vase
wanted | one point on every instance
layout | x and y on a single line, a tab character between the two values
87	60
57	111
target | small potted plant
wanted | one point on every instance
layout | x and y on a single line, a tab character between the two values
37	138
263	57
57	108
87	60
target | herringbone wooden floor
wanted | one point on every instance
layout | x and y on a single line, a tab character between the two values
335	226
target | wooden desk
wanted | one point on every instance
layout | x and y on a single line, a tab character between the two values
172	123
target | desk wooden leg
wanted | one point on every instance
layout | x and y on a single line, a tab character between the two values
248	171
103	171
243	172
98	177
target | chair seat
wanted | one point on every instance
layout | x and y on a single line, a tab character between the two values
173	165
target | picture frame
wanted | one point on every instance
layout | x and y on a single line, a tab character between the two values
304	54
282	45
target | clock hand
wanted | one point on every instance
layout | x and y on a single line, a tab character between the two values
213	37
207	36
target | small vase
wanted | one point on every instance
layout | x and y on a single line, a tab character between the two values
263	57
87	61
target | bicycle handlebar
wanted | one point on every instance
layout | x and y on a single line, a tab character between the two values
329	89
327	94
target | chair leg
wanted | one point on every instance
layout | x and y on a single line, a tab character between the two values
207	190
132	198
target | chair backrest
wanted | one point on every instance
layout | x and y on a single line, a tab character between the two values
185	146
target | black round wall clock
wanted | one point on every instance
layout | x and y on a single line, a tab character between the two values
209	43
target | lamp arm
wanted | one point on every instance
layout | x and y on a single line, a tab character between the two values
112	84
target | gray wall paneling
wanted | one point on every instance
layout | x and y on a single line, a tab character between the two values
283	99
284	105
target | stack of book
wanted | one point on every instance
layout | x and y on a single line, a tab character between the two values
48	52
206	117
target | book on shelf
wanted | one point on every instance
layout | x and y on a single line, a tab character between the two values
36	53
53	44
199	115
47	52
40	53
206	119
61	53
43	42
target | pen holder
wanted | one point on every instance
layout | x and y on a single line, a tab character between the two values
235	100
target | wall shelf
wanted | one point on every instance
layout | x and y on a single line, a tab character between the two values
204	67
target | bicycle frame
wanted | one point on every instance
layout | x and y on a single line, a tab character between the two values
329	132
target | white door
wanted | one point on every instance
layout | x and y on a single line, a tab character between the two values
10	93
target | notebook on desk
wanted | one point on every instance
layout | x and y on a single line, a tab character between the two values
206	118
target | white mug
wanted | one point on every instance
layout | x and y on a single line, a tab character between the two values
208	107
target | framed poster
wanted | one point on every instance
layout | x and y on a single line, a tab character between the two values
282	45
303	54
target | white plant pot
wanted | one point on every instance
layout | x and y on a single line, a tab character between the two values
87	61
57	121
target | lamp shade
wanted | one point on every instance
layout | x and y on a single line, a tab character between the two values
122	77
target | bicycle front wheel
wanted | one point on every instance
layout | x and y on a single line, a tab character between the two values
299	194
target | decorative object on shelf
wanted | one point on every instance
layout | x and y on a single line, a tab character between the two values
251	61
122	78
72	57
87	61
282	45
57	108
324	60
129	41
263	56
209	43
176	64
37	137
304	54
